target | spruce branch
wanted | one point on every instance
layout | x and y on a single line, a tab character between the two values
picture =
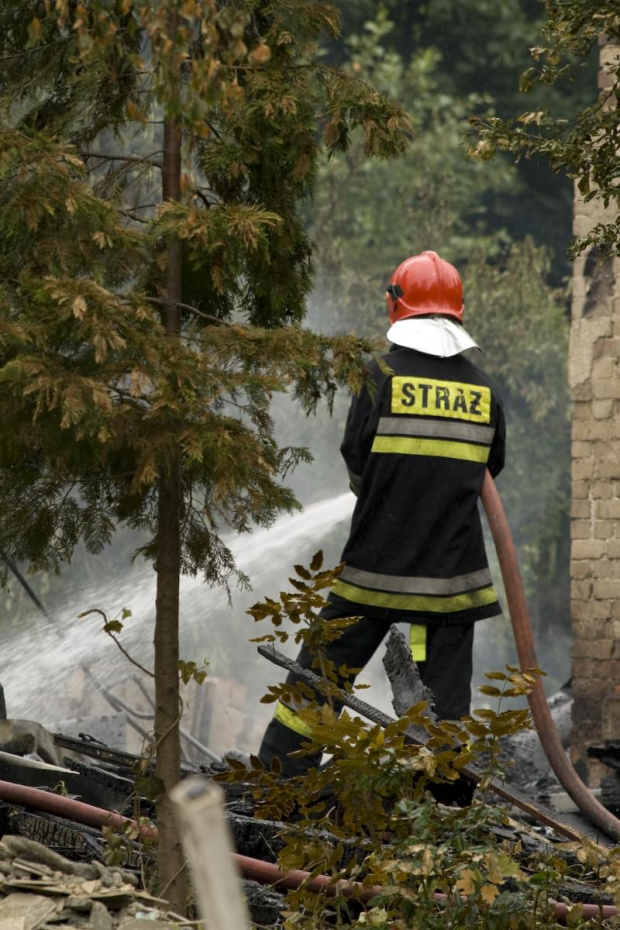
159	301
131	159
36	48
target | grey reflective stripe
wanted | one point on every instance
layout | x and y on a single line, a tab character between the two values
408	426
405	585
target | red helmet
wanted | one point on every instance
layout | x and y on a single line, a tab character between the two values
422	285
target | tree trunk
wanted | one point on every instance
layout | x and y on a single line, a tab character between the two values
172	878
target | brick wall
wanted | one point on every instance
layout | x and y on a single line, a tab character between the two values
594	374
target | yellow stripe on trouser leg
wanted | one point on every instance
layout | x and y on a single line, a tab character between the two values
292	720
417	642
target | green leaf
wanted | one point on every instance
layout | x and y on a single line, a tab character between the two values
490	690
149	786
113	626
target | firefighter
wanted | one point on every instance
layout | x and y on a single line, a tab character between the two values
416	449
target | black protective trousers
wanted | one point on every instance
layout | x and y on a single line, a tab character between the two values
447	671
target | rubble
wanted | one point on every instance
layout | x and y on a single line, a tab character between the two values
51	871
41	889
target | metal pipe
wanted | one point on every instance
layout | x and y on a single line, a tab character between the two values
266	873
526	651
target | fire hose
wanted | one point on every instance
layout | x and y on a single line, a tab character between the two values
526	651
266	873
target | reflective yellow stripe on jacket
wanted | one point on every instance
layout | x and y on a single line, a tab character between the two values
405	445
419	602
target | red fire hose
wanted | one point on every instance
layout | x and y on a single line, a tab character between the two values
520	618
264	872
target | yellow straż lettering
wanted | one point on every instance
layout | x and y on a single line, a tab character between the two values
430	397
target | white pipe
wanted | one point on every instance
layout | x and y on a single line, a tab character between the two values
207	841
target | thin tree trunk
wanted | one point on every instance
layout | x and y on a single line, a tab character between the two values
172	878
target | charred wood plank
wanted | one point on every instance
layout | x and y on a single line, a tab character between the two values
404	677
60	836
78	843
121	760
608	754
610	792
264	903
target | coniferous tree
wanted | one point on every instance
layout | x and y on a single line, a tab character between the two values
153	271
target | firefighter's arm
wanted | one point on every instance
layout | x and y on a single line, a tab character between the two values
357	440
497	453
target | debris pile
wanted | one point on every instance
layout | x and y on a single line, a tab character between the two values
41	889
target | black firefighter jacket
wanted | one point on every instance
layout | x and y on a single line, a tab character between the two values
416	455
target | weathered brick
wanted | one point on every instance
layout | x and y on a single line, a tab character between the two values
580	529
603	568
607	510
609	590
580	649
582	410
601	490
603	529
581	589
605	388
583	568
604	367
583	667
580	392
584	712
584	468
603	468
592	430
587	549
605	346
613	549
601	409
581	450
581	510
584	429
590	628
594	689
590	612
581	490
601	649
